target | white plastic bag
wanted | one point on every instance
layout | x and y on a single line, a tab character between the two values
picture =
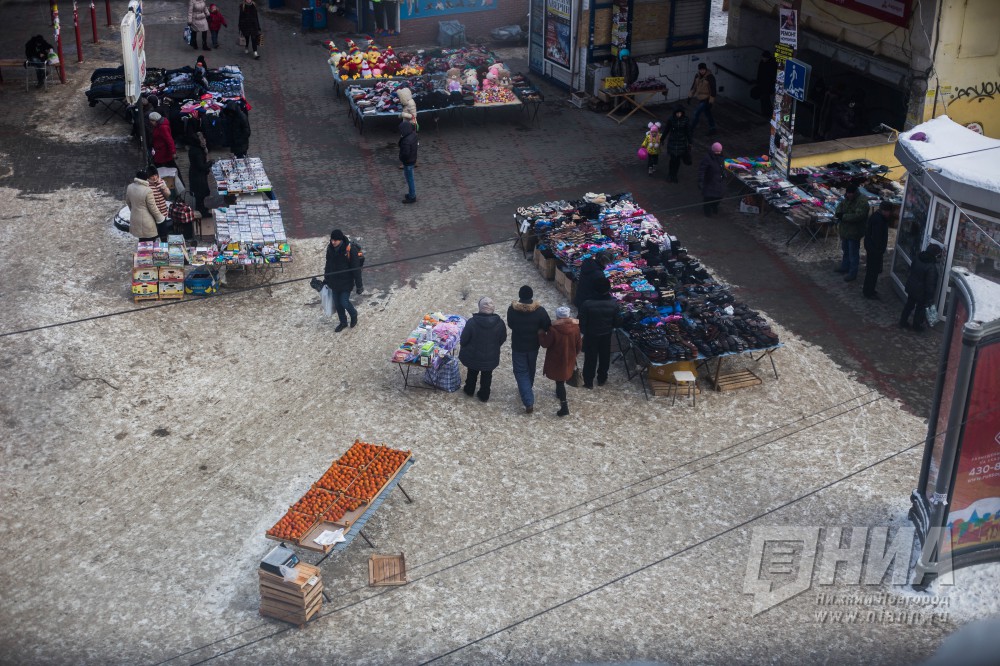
932	315
327	296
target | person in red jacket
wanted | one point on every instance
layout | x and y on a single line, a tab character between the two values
215	22
164	150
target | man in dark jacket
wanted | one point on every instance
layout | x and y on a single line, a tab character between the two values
920	288
341	274
591	273
876	242
767	73
239	129
711	179
678	140
851	214
408	144
481	340
599	317
526	319
703	90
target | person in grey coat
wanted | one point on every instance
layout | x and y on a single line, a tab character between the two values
711	178
482	338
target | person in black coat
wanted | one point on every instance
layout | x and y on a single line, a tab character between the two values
36	50
711	178
239	130
526	319
920	287
249	25
591	273
876	242
599	316
198	169
341	274
408	144
767	74
482	337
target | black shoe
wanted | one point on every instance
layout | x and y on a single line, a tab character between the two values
842	271
850	278
469	390
354	322
602	382
919	329
529	409
588	386
563	409
339	328
482	398
408	200
873	296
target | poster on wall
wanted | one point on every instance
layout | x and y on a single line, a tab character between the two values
414	9
974	518
621	25
557	32
788	29
896	12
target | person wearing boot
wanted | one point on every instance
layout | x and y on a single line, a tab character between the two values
341	274
482	337
921	286
526	318
598	319
563	344
198	20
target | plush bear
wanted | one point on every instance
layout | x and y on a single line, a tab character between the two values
454	80
470	79
491	80
506	80
354	66
366	69
406	103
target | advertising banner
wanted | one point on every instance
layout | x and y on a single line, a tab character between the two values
788	28
414	9
974	516
896	12
558	43
133	51
947	393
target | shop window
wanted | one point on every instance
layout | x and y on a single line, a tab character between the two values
977	249
939	225
913	221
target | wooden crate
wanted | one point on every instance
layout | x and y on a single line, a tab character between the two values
665	373
546	266
666	388
387	570
291	601
736	380
139	298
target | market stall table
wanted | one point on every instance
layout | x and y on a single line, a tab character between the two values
637	98
431	347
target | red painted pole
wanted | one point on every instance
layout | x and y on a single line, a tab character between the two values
107	6
93	19
59	49
76	28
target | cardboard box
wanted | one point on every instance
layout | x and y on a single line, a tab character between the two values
171	288
171	274
751	204
145	288
144	274
665	373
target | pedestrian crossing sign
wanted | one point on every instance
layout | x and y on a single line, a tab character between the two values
796	78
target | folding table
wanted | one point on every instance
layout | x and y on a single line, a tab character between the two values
633	97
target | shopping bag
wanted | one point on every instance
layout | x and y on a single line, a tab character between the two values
187	35
327	296
243	40
575	379
932	315
260	39
447	376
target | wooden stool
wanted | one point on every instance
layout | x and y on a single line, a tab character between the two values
685	379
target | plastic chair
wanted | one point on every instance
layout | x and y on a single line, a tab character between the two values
685	379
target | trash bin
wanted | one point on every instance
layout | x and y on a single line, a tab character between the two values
451	34
308	14
319	17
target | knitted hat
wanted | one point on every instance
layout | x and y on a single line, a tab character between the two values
486	305
525	294
562	312
155	117
717	148
337	234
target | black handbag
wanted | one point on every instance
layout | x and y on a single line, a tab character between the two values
316	284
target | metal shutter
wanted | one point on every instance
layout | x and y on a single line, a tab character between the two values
689	25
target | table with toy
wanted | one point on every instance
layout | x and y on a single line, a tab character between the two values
429	346
334	511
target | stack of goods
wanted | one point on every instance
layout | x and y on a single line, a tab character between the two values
295	598
816	190
109	83
671	307
353	63
224	84
436	337
341	495
525	91
241	176
251	233
381	99
651	84
158	270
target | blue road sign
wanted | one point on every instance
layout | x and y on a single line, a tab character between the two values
797	78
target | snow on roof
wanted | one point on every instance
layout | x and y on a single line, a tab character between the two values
985	297
945	138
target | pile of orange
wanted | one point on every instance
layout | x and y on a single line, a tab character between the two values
338	477
360	454
315	502
335	513
293	525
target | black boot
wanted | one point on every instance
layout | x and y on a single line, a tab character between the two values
563	409
204	42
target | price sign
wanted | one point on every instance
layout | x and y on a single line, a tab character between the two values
614	82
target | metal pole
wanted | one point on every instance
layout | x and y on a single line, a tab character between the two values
76	28
59	50
142	133
107	6
93	19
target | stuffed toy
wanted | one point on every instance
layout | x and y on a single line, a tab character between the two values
406	103
366	69
491	81
354	66
505	79
469	79
454	80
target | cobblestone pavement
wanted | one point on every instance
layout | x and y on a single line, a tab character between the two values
471	177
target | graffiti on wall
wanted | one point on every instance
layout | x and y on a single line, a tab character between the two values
980	92
413	9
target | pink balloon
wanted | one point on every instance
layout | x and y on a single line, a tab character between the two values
643	154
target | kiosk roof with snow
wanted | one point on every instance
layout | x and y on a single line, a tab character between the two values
962	163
